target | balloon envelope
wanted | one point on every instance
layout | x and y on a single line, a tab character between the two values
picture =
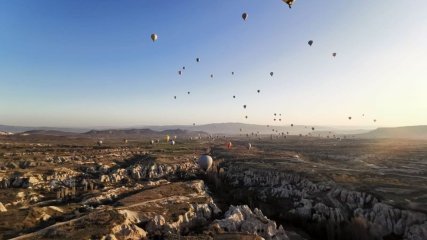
205	162
154	37
244	16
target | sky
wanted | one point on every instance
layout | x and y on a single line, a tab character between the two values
92	63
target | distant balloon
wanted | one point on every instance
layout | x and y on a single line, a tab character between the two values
280	119
246	116
289	2
174	97
271	73
232	73
349	118
375	120
212	75
205	162
229	145
172	142
292	125
334	54
312	128
125	141
234	96
197	59
154	37
258	91
275	114
249	146
99	142
180	72
183	68
194	124
188	93
244	106
167	138
244	16
310	42
152	142
274	119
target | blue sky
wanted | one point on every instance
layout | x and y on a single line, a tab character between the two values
92	63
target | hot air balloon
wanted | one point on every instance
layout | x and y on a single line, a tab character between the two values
152	142
205	162
229	145
244	16
172	142
183	68
249	146
194	124
232	73
240	129
258	91
275	114
188	93
271	73
292	125
154	37
197	59
179	72
244	106
234	96
274	119
334	54
280	119
246	116
312	128
310	42
167	138
174	97
289	2
375	120
349	118
99	142
125	141
212	75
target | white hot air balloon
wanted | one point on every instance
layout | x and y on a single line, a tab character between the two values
249	146
172	142
205	162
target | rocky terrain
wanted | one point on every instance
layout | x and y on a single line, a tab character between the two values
63	187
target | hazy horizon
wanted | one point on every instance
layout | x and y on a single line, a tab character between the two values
92	63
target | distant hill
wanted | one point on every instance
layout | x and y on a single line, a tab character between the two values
410	132
213	128
20	129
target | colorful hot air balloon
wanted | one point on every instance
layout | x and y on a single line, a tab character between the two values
229	145
244	16
154	37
